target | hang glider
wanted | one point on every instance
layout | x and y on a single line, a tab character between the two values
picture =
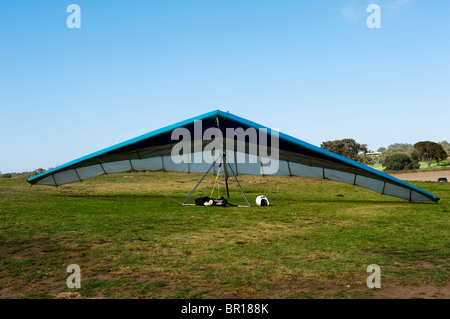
250	149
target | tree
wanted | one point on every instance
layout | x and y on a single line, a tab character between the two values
395	148
400	147
400	162
347	147
366	159
429	151
37	171
445	146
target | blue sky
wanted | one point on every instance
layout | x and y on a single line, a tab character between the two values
312	69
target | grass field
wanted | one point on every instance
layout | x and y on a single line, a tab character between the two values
423	167
132	241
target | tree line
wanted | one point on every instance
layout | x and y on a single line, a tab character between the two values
397	156
22	174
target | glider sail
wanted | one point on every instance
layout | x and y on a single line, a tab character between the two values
250	148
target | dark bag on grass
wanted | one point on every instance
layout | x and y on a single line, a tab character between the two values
208	201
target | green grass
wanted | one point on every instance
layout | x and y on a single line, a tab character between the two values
433	166
377	166
132	241
423	167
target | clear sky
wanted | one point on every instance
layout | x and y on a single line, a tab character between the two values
312	69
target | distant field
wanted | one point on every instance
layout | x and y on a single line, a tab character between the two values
132	241
423	167
423	175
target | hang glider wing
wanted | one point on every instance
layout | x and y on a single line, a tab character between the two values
242	140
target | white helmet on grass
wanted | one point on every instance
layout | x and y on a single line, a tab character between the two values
262	201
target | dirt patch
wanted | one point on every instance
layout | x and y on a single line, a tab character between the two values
49	281
423	176
428	265
102	277
26	252
68	295
391	291
8	293
424	264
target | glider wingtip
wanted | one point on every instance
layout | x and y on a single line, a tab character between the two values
31	182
